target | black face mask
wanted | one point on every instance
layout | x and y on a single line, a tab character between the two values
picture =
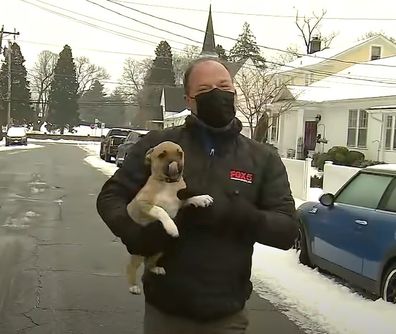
216	107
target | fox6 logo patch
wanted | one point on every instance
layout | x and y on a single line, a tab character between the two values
241	176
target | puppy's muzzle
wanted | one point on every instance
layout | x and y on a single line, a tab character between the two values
174	171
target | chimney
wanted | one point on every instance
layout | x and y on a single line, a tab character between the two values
314	45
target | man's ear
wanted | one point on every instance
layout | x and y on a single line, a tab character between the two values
147	158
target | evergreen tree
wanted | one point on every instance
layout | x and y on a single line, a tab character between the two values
21	110
91	104
246	47
63	106
114	112
161	72
221	52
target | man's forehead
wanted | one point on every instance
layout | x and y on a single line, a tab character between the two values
212	68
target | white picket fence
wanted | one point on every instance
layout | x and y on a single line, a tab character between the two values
300	171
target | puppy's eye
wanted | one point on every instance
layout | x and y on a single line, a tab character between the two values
162	155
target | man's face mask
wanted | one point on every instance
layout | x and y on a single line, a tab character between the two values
216	107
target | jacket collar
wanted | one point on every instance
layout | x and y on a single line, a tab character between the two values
231	130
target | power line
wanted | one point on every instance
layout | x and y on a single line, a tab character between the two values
141	22
254	14
144	41
227	37
106	22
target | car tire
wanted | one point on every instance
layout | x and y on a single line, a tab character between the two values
388	286
301	245
101	154
107	157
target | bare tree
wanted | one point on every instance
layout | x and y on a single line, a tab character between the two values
132	80
40	81
88	73
309	26
257	89
182	60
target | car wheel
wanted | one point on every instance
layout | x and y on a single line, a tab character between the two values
101	154
301	245
107	157
389	285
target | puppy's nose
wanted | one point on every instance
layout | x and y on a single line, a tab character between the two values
173	169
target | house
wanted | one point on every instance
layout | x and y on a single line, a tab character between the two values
353	108
316	66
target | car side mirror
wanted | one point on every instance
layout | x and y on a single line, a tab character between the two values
327	199
102	136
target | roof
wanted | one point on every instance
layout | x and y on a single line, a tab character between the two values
174	99
383	167
184	113
209	45
234	67
365	80
320	56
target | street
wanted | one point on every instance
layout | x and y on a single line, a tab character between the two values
61	269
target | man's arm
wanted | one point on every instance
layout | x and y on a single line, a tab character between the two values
276	225
118	191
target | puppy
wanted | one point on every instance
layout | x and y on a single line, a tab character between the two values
158	201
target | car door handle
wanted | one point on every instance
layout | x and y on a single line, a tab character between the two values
361	222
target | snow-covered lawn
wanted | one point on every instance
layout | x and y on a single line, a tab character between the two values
316	302
82	130
17	147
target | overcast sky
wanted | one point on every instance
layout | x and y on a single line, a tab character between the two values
42	30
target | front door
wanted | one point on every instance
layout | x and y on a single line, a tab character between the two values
310	133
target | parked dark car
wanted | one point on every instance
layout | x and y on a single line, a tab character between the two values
133	137
16	136
352	234
110	143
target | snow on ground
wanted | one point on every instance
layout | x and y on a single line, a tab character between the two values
317	303
17	147
82	130
314	301
95	161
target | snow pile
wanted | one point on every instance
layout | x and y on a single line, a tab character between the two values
93	158
82	130
315	301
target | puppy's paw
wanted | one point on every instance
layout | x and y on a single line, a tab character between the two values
135	290
171	229
158	270
200	201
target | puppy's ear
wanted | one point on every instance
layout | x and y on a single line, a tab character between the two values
147	158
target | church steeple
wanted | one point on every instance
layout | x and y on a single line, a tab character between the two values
209	45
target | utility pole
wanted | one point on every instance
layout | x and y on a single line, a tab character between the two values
9	56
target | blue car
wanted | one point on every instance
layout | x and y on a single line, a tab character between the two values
352	234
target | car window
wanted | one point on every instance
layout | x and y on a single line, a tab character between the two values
118	132
130	136
365	190
389	201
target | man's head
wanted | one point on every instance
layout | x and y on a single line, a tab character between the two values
210	92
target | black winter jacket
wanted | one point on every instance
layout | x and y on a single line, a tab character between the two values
208	267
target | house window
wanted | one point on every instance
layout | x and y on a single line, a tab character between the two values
390	133
357	128
375	52
274	128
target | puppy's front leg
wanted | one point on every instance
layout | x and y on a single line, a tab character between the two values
158	213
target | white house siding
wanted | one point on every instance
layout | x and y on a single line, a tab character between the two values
390	157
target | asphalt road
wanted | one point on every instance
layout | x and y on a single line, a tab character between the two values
61	269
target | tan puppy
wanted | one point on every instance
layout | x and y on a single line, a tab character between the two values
158	201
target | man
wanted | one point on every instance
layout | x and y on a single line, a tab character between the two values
208	267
